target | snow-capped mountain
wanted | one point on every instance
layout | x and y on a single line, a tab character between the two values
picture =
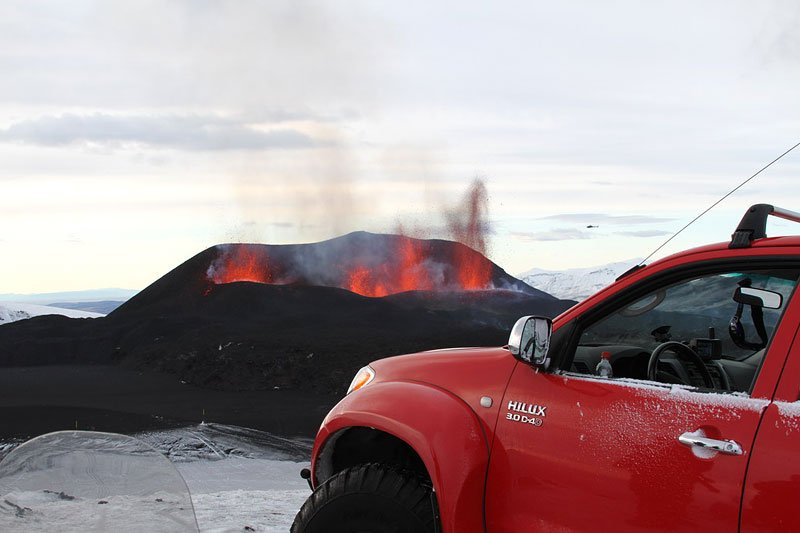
576	283
13	311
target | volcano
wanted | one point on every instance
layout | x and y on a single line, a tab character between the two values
298	317
368	264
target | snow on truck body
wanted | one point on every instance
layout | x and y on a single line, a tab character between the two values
697	428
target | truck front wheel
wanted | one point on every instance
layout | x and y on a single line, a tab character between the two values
370	498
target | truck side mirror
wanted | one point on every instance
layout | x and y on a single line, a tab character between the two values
530	340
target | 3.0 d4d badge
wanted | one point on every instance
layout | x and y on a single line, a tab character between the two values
521	410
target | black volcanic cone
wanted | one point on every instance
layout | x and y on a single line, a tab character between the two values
302	333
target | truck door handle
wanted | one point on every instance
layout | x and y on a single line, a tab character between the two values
692	439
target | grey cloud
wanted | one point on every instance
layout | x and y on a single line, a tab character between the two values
643	233
599	218
557	234
186	132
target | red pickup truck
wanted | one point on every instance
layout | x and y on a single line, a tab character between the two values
697	428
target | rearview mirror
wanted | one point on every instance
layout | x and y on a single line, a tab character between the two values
530	340
758	297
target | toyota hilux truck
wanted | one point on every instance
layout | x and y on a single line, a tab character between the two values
697	428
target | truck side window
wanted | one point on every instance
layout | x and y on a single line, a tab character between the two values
724	322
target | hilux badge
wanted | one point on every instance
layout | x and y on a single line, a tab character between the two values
519	411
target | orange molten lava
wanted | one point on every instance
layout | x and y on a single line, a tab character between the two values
474	272
413	274
403	264
407	272
244	263
361	280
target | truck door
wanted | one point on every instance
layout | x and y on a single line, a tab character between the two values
773	475
573	451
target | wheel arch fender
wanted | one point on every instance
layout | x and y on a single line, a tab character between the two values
437	425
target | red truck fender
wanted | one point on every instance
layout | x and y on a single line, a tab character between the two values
438	426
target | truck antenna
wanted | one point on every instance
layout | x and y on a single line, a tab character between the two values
712	206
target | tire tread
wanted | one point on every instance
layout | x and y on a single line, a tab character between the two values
406	487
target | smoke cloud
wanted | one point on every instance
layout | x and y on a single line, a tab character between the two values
468	222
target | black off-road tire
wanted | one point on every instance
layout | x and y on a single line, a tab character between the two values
370	498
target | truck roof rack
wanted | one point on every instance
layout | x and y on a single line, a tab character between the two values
754	224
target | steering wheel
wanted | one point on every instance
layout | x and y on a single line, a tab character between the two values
685	355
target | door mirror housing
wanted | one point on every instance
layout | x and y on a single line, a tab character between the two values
530	340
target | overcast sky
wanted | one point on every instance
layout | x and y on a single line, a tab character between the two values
135	134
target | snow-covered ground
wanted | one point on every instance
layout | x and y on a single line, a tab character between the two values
235	493
228	495
239	480
13	311
238	477
576	283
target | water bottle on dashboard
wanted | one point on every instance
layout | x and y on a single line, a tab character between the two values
604	369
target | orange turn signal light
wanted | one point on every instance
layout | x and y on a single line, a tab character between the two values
363	377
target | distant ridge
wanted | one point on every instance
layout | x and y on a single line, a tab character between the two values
102	306
89	295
